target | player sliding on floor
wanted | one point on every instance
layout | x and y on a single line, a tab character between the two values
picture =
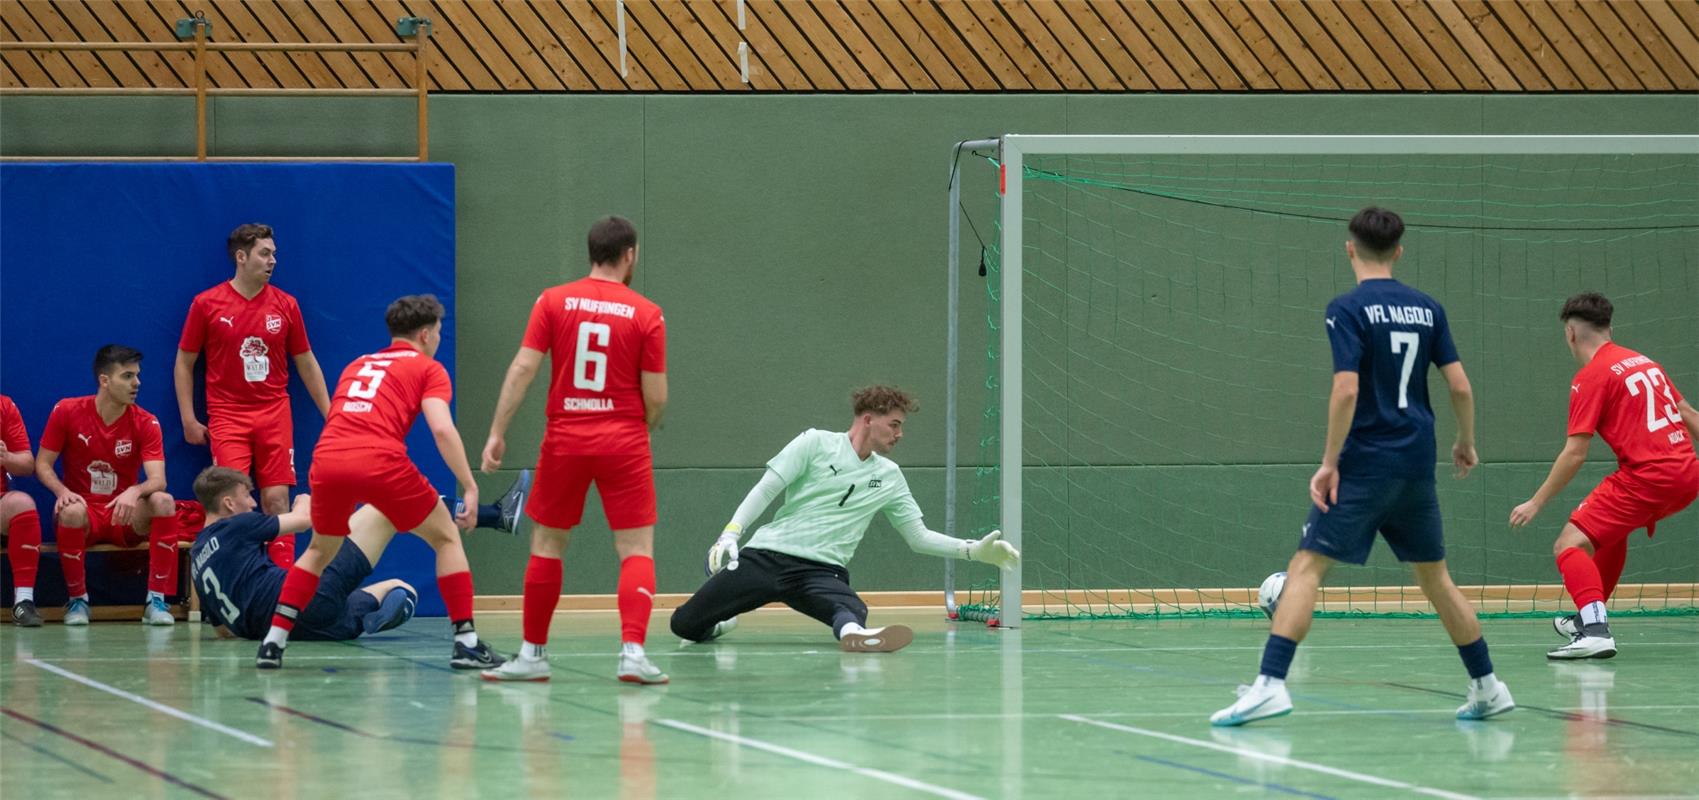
833	485
1380	477
1628	400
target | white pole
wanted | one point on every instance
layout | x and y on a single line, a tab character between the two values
1010	438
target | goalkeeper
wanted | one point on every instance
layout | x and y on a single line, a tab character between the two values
833	484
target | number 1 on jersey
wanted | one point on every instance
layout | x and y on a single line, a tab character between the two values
590	367
1409	342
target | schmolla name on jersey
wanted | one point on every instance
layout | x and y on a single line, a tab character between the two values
1407	315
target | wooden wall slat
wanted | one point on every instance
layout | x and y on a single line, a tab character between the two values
893	45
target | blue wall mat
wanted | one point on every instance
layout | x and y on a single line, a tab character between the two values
97	253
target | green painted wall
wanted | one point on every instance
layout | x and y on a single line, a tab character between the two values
796	244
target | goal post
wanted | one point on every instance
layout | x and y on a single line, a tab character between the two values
1282	168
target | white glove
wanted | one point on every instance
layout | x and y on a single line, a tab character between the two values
723	552
994	551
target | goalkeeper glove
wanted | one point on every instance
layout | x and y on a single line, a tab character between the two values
994	551
724	550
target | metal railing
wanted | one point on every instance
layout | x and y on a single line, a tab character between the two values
199	30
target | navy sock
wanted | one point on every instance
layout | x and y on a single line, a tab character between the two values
489	516
1277	656
1475	658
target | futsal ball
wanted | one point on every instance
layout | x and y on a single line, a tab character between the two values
1268	596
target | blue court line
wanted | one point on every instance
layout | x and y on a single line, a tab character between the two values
1224	776
107	751
56	757
350	729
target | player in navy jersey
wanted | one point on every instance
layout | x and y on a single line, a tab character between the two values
1377	469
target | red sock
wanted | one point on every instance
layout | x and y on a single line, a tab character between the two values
73	542
1610	560
23	545
1580	577
636	597
162	554
298	588
456	591
282	551
542	594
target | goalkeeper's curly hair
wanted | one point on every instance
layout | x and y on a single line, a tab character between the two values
882	400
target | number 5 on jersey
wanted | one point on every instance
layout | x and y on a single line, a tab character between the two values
590	367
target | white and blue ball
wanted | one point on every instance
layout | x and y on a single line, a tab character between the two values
1268	595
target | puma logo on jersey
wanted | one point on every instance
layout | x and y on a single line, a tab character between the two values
832	468
85	437
1330	322
1575	387
231	321
1306	529
71	556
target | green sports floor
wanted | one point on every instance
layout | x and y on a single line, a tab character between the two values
1054	709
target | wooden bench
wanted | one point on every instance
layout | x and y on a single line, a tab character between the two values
188	600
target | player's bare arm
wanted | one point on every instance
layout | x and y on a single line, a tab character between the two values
18	463
1341	409
124	505
194	431
520	373
298	518
64	497
312	377
654	397
1463	456
1563	471
441	423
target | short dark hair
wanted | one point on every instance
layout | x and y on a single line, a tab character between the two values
114	355
410	313
215	482
1377	232
878	399
1589	307
609	238
242	239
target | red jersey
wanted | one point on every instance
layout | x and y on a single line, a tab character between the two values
378	397
101	460
1627	399
13	433
247	344
599	335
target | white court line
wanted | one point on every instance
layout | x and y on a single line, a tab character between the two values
160	707
821	761
1290	762
1331	712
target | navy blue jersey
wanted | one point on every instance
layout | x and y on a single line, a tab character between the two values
1388	334
236	579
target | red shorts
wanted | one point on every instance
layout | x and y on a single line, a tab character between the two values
341	482
260	441
1624	502
102	530
625	482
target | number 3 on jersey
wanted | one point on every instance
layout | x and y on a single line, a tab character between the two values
590	367
1654	379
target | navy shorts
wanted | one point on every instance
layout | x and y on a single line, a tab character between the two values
336	611
1404	510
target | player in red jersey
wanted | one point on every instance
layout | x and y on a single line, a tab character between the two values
246	325
107	439
1629	400
362	458
607	390
18	518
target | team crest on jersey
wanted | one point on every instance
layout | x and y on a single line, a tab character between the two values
273	323
122	448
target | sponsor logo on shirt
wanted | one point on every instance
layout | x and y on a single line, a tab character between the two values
875	483
122	448
273	323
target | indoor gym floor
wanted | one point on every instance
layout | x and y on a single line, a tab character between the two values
1054	709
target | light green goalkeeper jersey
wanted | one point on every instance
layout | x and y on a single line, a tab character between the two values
831	495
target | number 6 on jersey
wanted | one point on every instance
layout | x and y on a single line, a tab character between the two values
590	367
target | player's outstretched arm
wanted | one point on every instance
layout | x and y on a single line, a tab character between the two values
298	518
654	397
753	506
1463	456
194	431
991	549
441	422
312	377
1341	409
1563	471
520	373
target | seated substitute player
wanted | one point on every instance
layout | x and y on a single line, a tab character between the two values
361	457
107	439
18	518
833	485
1377	468
1628	400
238	581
